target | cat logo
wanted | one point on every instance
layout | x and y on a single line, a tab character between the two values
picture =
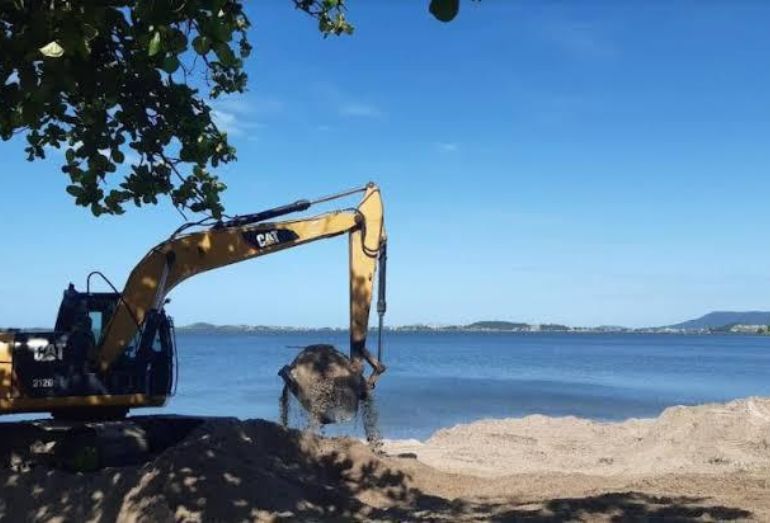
44	350
264	239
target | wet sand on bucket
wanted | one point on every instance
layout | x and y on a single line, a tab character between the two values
327	384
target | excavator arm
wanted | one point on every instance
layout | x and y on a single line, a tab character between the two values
242	238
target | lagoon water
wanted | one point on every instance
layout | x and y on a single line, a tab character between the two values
437	380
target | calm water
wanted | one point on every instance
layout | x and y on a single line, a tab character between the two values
436	380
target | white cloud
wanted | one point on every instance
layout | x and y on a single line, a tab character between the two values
447	147
239	115
360	109
345	103
582	40
249	105
235	125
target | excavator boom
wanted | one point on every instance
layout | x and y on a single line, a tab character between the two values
182	257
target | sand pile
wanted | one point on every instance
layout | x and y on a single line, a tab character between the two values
708	463
225	470
714	438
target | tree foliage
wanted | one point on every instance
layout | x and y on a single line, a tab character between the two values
444	10
119	82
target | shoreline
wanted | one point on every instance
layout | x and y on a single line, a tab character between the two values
227	330
703	463
701	439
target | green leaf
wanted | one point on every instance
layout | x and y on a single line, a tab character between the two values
154	44
201	44
75	190
52	50
117	156
178	41
126	50
170	64
225	54
220	30
444	10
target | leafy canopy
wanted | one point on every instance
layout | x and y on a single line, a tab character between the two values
110	83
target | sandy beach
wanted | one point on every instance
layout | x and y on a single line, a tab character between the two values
704	463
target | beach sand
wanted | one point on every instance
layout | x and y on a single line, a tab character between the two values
704	463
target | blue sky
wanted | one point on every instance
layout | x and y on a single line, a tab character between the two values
540	161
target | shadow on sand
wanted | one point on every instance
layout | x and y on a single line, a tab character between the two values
230	470
615	507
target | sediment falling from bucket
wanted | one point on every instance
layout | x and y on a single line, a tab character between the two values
370	418
283	406
326	383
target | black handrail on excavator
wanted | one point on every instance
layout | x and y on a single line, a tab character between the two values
275	212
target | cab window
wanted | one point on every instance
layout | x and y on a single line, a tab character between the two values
96	323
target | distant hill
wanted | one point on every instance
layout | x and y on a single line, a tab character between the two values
204	327
199	326
719	319
716	322
497	325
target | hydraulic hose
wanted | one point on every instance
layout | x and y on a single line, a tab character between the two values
382	305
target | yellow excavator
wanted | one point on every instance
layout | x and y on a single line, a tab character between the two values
114	351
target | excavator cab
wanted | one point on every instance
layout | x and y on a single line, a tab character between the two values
83	316
62	363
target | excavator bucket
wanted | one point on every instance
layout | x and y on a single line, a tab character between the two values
326	383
